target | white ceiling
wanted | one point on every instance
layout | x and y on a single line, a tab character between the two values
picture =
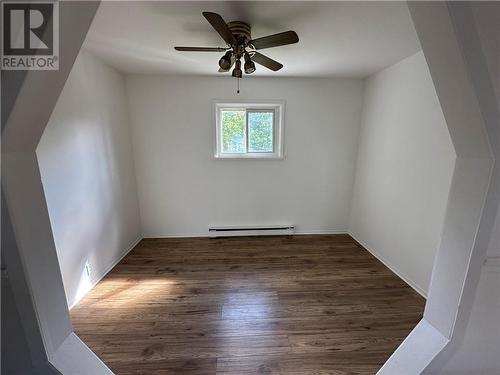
343	39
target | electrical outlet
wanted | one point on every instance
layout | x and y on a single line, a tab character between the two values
87	268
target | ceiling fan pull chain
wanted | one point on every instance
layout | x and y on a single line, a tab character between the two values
238	85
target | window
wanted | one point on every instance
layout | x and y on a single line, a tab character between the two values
249	130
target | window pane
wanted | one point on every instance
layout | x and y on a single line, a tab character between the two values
260	131
233	131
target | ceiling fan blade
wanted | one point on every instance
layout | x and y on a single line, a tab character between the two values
275	40
201	49
220	26
232	63
266	61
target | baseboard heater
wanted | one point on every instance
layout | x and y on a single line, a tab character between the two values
261	230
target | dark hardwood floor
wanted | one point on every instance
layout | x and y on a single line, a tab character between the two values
263	305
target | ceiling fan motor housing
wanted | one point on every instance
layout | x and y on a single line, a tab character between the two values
241	31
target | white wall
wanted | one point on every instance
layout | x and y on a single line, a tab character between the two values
479	348
478	351
183	190
404	170
86	164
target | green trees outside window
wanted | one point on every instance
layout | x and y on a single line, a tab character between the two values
260	131
257	124
233	132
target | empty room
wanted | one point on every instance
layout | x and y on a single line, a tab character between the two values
257	188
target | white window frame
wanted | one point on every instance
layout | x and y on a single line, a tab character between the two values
254	105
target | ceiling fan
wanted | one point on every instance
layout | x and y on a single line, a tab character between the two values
237	35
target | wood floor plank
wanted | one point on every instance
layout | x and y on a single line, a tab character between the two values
199	366
335	363
261	305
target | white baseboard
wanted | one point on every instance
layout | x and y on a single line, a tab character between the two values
320	232
394	269
109	268
176	235
194	235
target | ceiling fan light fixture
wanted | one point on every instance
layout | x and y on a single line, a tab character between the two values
225	61
237	70
249	64
249	67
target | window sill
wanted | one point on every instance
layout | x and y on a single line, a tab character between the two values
249	157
